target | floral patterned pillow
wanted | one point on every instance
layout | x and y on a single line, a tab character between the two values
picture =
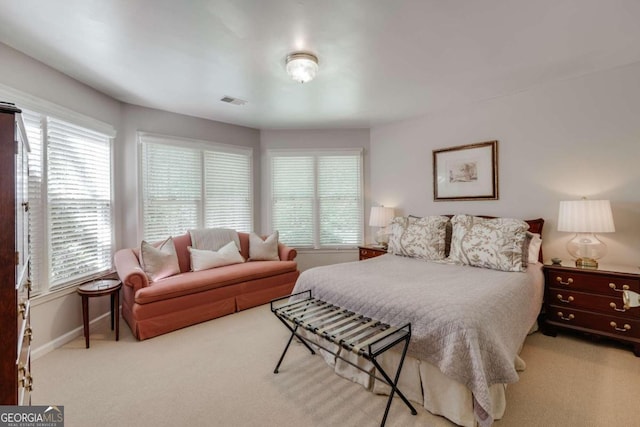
495	243
418	237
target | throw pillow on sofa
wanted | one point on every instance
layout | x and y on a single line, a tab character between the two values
263	250
159	261
213	239
202	259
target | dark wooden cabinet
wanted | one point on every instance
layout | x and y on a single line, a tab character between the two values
590	301
368	251
15	286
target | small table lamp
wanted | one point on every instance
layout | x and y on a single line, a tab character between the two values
381	217
586	217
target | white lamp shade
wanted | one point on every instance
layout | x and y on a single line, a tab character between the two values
381	216
586	216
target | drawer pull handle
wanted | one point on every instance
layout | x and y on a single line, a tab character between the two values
28	334
22	309
568	282
624	287
568	318
625	328
615	307
568	300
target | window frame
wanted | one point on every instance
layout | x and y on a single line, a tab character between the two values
46	109
315	152
202	146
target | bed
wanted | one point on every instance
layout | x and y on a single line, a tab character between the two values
468	322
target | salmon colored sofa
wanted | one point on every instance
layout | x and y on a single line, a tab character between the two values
155	308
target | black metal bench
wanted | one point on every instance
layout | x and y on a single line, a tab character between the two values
354	332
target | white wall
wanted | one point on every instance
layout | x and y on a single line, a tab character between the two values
562	141
310	139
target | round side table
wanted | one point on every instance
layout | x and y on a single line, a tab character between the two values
98	288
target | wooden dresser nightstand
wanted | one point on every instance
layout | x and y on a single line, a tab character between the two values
370	251
590	301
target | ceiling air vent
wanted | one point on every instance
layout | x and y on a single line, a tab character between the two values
232	100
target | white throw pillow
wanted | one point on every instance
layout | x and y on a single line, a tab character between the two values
159	261
202	259
534	247
263	250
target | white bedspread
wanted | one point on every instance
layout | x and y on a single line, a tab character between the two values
468	322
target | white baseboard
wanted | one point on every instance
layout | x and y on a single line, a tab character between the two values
62	340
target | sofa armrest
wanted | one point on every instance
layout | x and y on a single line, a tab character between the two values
129	270
286	253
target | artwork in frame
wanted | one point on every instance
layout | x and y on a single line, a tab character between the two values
466	172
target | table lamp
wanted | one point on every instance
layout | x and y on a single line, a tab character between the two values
381	217
586	217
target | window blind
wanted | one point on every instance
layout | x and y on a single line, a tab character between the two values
228	197
172	190
78	201
316	198
188	184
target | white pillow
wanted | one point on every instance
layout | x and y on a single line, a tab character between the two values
159	262
263	250
534	247
202	259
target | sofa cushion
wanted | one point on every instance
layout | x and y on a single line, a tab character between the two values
203	259
159	262
263	250
198	281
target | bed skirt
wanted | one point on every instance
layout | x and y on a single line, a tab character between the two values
420	381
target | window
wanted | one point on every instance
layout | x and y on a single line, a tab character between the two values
192	184
316	197
70	200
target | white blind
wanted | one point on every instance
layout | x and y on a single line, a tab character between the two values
316	198
172	190
293	199
78	202
187	184
228	198
340	200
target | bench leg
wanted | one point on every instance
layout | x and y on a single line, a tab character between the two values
394	384
293	334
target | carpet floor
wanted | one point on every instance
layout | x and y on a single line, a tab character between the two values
220	373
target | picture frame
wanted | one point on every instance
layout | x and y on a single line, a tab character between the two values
466	172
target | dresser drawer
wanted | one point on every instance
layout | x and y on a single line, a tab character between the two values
607	304
605	284
366	253
595	322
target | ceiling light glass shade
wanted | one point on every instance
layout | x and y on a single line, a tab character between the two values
302	67
586	217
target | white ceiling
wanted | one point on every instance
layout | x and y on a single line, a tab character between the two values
380	60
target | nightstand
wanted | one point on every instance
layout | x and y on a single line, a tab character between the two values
371	251
590	301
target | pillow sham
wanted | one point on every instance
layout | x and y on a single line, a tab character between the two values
159	262
495	243
263	250
534	247
422	238
203	259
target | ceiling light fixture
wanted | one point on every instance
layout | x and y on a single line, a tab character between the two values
302	66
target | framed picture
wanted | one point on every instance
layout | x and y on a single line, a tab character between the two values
466	172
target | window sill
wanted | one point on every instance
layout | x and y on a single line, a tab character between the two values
326	250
